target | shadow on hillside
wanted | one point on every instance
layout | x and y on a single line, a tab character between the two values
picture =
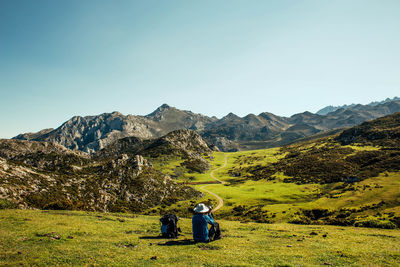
179	242
152	237
170	242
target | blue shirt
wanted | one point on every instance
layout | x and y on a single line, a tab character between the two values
200	226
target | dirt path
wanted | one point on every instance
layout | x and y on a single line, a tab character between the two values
219	199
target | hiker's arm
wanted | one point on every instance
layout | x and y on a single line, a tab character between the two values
210	219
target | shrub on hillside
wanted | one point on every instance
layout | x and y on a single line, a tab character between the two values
297	219
5	204
311	216
316	214
372	223
60	204
196	165
252	213
371	163
396	221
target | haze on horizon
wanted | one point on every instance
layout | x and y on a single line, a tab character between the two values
59	59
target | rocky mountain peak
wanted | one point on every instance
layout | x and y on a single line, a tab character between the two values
272	117
164	106
160	110
116	113
251	117
168	115
304	114
231	116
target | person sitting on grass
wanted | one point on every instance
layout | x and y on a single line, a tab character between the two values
200	221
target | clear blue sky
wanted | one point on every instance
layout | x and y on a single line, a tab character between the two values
82	57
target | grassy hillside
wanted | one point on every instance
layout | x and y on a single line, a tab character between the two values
303	183
49	238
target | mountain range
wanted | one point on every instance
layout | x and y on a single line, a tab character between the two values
230	133
329	109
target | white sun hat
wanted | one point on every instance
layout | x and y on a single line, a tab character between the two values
201	208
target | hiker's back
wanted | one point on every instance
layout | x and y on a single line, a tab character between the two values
200	227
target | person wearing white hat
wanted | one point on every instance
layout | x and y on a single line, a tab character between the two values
200	221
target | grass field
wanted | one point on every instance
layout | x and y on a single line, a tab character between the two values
50	238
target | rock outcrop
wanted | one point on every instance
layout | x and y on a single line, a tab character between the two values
182	142
185	144
49	176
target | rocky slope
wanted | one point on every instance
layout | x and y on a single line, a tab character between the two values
230	133
49	176
180	144
380	132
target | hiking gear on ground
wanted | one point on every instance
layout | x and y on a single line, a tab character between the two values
201	208
169	226
200	223
215	232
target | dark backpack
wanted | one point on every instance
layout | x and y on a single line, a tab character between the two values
169	226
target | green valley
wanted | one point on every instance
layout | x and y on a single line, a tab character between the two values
277	200
320	181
